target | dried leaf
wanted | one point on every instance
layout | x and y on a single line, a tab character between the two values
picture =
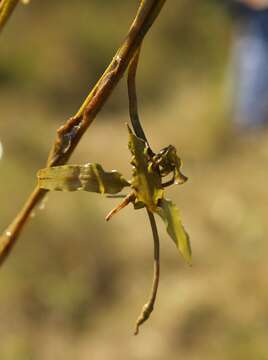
89	177
179	177
145	181
169	162
171	216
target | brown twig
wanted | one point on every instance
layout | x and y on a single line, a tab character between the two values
6	9
128	199
69	135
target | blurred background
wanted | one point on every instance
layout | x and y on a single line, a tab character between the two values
74	284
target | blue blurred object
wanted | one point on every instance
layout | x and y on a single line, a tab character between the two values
250	68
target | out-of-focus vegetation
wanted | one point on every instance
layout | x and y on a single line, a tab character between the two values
74	284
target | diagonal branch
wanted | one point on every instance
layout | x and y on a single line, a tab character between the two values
6	9
69	135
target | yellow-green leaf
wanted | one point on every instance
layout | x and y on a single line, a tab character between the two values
171	216
146	182
89	177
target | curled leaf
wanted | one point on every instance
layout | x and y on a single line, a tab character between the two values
89	177
169	162
146	182
179	177
171	216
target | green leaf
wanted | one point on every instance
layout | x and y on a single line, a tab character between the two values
171	216
146	182
89	177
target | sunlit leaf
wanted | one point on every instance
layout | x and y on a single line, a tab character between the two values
146	182
89	177
171	216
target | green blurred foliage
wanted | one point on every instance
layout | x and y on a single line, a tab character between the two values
74	284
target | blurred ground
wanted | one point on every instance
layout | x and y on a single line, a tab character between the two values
74	285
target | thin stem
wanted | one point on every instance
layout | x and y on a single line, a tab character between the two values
132	95
6	9
129	198
149	306
135	120
76	126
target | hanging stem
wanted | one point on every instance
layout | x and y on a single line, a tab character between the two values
149	306
6	9
135	120
75	127
132	95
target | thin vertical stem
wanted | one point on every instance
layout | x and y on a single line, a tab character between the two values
132	95
135	120
149	306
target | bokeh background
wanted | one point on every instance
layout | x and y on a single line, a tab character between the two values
74	285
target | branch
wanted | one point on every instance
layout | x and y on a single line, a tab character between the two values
69	135
6	9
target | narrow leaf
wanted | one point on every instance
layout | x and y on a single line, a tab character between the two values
171	216
146	182
89	177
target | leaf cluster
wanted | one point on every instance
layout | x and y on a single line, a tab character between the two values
149	170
